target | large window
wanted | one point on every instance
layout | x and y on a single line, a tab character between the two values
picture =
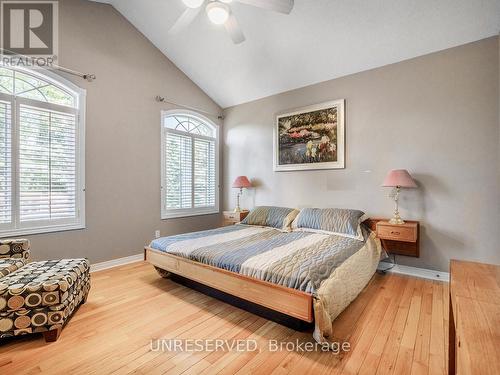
189	171
41	153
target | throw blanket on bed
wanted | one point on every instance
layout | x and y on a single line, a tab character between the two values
305	261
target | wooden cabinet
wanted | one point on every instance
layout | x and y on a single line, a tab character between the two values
474	321
231	217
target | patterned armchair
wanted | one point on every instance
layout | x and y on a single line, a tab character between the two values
14	254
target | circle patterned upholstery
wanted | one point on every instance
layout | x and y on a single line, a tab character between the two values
9	265
18	248
14	254
41	296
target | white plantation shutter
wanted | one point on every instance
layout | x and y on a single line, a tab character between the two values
47	164
5	163
178	169
41	154
189	166
204	173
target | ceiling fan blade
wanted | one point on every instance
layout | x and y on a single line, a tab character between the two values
282	6
234	30
184	20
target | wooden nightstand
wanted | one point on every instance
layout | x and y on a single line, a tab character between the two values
231	217
403	239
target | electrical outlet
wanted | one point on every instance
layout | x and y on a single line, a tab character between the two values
157	234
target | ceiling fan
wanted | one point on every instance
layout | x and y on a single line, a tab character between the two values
219	12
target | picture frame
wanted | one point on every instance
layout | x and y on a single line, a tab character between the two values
310	138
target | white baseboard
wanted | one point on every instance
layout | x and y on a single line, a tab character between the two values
116	262
416	272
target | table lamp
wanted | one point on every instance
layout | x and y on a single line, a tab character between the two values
398	178
241	183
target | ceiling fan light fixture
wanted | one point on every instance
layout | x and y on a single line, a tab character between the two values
193	3
217	12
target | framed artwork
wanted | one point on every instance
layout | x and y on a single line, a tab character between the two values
310	138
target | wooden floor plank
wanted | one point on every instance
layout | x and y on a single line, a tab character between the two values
391	348
395	289
407	346
371	325
446	315
437	351
420	365
396	323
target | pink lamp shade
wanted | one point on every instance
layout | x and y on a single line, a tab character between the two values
399	177
242	182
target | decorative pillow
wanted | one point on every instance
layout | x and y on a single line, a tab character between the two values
342	222
270	216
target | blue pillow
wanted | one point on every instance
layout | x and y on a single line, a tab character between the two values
339	221
270	216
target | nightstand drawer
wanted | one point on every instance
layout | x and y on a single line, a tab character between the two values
232	216
404	232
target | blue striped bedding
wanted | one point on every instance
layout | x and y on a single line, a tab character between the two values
299	260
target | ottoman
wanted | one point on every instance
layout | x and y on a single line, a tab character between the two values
42	296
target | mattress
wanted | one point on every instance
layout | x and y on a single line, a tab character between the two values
332	268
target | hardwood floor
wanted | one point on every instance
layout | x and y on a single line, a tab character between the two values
398	325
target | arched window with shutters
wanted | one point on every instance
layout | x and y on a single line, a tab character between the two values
41	153
190	170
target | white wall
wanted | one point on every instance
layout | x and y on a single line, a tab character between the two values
436	115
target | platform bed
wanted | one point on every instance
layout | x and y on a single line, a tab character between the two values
273	298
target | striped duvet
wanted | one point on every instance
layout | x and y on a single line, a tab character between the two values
306	261
299	260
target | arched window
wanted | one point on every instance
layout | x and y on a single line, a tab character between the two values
41	153
189	172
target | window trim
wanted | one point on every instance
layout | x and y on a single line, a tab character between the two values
46	226
187	212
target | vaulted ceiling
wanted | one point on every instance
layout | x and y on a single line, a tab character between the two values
318	41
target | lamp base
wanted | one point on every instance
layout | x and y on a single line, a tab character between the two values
396	220
238	208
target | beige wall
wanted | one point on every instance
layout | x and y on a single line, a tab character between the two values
436	115
122	134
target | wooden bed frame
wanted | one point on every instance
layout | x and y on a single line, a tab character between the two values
288	301
285	300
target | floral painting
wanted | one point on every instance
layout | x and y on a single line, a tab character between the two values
310	138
